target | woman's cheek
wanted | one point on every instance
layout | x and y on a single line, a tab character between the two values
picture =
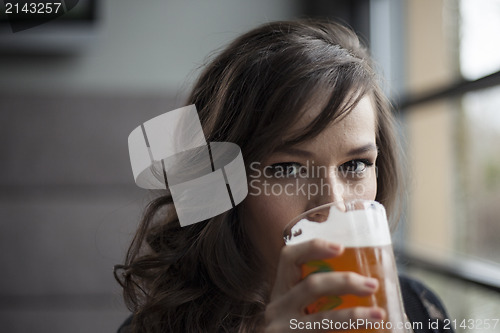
265	216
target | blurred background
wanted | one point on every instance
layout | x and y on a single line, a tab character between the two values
71	90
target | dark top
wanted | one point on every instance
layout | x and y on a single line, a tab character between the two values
422	306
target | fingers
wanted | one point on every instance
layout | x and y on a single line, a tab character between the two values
293	256
325	284
329	284
291	295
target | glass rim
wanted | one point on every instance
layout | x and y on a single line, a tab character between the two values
348	205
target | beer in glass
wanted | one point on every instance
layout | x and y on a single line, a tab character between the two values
361	227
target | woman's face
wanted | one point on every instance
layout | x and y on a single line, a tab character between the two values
336	165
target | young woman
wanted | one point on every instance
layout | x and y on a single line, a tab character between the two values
294	96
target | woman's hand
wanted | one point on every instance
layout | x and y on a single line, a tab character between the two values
291	295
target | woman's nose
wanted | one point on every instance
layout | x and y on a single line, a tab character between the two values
330	189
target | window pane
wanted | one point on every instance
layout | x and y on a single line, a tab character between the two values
478	163
479	36
454	150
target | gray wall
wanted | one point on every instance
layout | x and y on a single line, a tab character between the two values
68	204
68	208
147	46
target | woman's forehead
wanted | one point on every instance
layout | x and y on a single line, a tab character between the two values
316	105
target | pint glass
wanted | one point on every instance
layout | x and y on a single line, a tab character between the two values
361	227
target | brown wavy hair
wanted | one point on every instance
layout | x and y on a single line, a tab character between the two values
205	277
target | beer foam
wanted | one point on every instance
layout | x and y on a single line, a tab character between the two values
357	228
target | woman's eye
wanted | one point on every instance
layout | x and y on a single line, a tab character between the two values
283	170
355	166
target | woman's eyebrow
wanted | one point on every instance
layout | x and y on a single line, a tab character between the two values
294	151
362	149
307	154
